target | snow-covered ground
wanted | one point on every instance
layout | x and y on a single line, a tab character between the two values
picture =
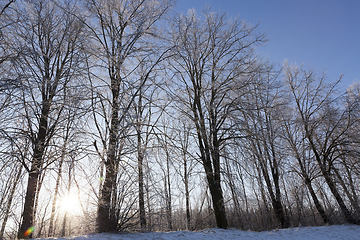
346	232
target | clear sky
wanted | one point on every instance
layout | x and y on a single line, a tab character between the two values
321	34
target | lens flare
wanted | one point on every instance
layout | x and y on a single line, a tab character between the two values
29	231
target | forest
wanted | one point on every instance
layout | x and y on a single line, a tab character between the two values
125	116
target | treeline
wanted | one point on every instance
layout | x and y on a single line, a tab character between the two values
162	121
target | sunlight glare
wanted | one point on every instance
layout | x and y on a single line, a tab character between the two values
70	204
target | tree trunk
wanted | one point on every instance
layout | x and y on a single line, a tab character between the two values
149	219
279	207
353	190
348	216
28	213
140	151
308	184
247	216
141	193
352	198
326	174
274	166
317	203
234	195
211	164
321	152
56	194
104	206
218	202
10	198
307	179
63	230
275	197
34	174
276	203
168	191
216	195
187	194
53	208
105	221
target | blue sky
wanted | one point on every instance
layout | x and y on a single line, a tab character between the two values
321	34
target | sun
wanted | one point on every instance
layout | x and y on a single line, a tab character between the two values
70	204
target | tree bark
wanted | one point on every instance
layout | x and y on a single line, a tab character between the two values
348	216
275	201
210	160
218	202
141	192
187	194
105	221
213	179
140	152
317	203
167	188
34	174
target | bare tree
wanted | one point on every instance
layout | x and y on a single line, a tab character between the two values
47	39
262	121
305	167
148	110
211	120
212	60
121	32
325	125
141	148
187	161
164	160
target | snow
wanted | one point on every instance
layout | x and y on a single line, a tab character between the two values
347	232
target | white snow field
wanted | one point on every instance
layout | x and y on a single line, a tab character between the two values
346	232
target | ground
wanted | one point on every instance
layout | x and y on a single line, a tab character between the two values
347	232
